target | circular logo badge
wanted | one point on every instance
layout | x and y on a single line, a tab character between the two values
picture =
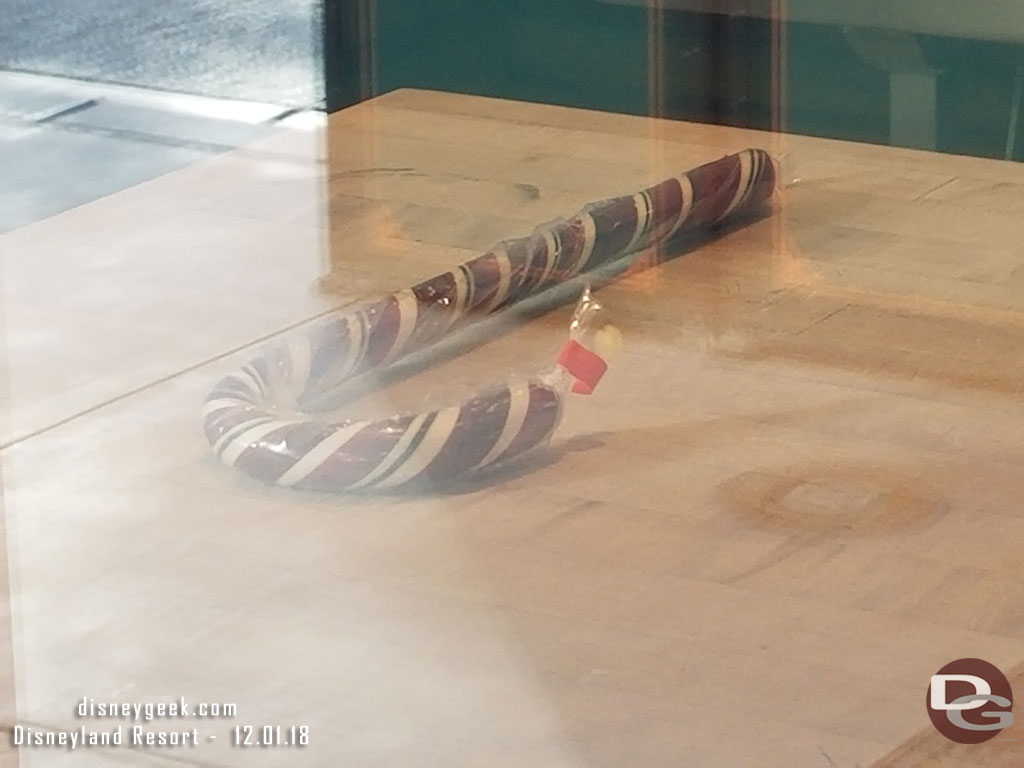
970	701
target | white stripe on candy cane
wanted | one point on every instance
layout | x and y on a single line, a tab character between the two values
220	403
504	278
685	204
396	453
755	169
318	454
248	380
236	430
642	204
356	344
261	386
551	246
589	237
470	284
755	174
299	355
237	446
518	405
746	168
430	446
408	311
461	293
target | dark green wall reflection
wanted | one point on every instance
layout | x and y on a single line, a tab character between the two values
955	95
572	52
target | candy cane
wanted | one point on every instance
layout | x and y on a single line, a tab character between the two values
246	415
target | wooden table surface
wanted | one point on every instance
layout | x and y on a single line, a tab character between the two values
794	497
801	478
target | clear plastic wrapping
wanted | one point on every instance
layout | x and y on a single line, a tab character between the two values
257	419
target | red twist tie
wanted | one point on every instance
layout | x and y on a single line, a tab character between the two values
585	366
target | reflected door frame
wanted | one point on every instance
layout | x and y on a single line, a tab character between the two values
349	51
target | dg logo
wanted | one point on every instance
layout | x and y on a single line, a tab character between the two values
969	701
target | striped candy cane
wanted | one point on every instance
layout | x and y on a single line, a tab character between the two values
249	429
